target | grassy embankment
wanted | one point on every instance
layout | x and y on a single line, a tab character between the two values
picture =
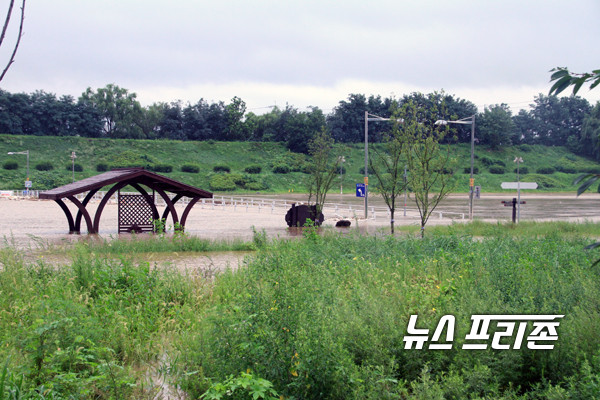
240	155
318	318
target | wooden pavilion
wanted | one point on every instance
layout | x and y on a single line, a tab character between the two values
136	211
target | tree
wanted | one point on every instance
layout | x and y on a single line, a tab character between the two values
19	35
346	121
495	126
557	121
323	168
120	110
150	120
525	131
431	167
388	166
234	115
563	78
590	132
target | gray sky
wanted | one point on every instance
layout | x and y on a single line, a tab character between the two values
304	52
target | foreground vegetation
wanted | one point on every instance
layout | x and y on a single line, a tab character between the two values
248	167
320	317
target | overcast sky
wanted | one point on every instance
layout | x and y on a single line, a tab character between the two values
303	52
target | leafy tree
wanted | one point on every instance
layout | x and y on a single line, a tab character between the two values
149	122
428	160
346	122
171	125
557	119
590	132
446	107
563	79
120	110
525	131
19	34
387	166
301	128
323	167
495	126
234	115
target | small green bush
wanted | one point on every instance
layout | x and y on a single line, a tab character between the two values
467	170
525	148
190	168
44	166
522	170
10	165
253	169
256	186
281	169
221	182
543	181
566	169
486	161
591	170
77	167
239	179
500	163
497	170
221	168
546	170
102	167
361	170
161	168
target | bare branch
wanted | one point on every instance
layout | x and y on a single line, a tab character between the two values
7	21
12	57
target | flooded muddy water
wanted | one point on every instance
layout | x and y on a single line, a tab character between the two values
25	223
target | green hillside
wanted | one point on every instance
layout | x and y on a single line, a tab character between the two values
553	168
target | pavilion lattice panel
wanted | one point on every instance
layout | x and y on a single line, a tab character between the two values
135	214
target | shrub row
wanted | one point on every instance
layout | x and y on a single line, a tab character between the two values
10	165
230	181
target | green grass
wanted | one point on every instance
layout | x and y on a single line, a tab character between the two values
89	329
322	317
524	229
240	155
178	243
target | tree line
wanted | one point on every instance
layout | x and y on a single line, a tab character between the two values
115	112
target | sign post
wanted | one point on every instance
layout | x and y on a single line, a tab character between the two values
518	185
360	190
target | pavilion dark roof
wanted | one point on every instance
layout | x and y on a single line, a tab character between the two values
133	175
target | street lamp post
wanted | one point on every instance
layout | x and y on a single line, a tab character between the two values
26	152
342	160
73	157
466	121
371	117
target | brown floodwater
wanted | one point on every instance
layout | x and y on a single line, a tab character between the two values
30	223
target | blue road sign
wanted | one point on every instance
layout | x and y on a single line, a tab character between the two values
360	190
